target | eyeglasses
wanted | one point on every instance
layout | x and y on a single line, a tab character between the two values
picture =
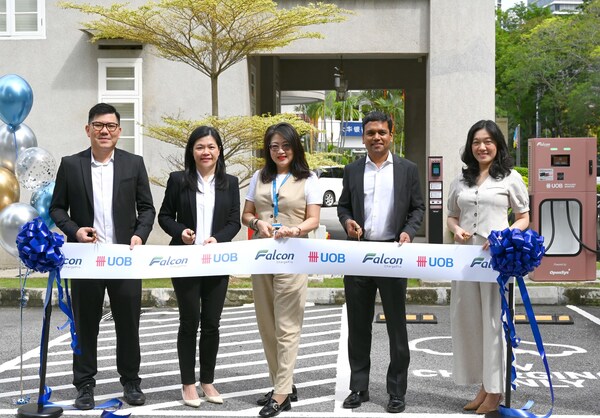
98	126
276	147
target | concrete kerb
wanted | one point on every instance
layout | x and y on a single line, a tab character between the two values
431	294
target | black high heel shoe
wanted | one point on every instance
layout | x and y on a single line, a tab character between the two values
272	408
264	399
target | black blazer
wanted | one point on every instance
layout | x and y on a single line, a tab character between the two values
72	205
408	202
178	210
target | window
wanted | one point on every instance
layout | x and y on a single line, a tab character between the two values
22	19
120	84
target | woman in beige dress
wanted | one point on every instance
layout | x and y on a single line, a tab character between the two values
478	203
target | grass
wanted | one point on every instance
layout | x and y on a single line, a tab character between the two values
234	283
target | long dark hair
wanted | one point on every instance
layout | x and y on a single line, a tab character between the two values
502	163
298	168
191	173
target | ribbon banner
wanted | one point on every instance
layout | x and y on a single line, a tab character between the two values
434	262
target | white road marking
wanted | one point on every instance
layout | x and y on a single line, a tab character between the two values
585	314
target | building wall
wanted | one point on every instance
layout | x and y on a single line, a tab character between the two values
452	41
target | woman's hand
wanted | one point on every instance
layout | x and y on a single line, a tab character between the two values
188	236
288	232
265	229
461	236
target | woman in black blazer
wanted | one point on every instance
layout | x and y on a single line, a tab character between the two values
201	206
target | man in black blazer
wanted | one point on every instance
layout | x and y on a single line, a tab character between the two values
102	195
381	201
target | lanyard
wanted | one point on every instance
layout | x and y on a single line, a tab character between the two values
276	196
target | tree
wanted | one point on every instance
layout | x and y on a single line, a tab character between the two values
549	64
240	135
209	35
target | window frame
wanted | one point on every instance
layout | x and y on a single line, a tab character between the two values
133	96
11	32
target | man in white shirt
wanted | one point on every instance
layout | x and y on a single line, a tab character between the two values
381	201
102	195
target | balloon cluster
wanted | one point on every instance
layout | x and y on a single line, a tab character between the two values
22	164
515	252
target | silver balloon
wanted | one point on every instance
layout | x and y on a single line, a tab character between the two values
35	168
12	218
23	137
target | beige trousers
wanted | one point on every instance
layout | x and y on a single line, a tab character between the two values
279	304
477	337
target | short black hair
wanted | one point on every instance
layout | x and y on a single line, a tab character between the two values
377	116
103	109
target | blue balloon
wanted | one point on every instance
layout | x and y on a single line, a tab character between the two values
16	99
40	201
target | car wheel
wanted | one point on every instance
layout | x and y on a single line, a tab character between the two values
328	198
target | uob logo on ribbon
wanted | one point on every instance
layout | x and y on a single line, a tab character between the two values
514	254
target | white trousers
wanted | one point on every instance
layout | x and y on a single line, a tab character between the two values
478	343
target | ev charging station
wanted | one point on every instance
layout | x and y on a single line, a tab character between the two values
562	188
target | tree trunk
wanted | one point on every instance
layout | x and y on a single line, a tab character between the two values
214	94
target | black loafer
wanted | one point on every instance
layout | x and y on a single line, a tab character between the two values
264	399
396	404
85	398
272	408
133	394
355	399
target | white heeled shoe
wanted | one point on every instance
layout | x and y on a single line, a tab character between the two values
195	403
212	399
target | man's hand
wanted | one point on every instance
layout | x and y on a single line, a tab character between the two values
209	240
188	236
404	238
86	234
135	240
353	229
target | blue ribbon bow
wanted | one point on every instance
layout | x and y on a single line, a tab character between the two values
39	249
514	254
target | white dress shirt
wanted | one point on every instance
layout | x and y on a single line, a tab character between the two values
205	207
379	200
102	188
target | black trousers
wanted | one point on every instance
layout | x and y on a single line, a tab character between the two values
360	304
125	304
200	301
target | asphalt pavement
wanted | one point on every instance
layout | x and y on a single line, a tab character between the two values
322	371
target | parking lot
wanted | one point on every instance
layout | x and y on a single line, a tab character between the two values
321	373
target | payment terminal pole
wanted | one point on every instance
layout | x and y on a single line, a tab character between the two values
435	193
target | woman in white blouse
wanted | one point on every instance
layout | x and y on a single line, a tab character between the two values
478	202
201	206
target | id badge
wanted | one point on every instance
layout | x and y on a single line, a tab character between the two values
276	226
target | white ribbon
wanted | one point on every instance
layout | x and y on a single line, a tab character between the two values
435	262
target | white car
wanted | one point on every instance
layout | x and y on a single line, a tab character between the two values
330	181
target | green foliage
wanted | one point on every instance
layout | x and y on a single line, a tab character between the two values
241	135
552	62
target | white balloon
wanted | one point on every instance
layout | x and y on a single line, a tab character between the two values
35	168
12	218
23	137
